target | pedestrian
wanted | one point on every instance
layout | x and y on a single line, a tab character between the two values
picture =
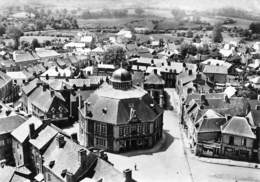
135	167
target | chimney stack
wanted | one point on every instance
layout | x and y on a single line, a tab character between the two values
190	72
69	177
258	97
31	131
74	137
82	156
60	141
128	175
52	93
228	117
257	107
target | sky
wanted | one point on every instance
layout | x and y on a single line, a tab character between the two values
251	5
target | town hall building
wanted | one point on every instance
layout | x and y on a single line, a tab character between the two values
119	117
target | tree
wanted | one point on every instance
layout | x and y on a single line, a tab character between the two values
139	11
216	34
188	49
2	29
14	33
35	43
115	55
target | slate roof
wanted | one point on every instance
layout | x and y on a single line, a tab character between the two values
117	105
6	173
138	78
24	56
43	99
107	172
215	69
28	88
4	79
10	123
238	126
44	137
154	79
237	106
22	132
66	158
254	118
210	121
216	62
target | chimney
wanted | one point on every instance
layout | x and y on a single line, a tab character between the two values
128	175
69	177
60	141
227	100
74	137
79	99
258	97
190	72
52	93
86	108
82	156
257	107
31	131
228	117
155	71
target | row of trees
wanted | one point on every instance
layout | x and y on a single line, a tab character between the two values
108	13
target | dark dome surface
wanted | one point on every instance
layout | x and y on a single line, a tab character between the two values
121	75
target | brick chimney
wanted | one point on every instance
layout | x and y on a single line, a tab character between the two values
128	175
82	156
60	141
31	131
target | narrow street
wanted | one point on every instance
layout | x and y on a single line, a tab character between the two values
171	160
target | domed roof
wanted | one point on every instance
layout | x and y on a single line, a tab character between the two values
121	75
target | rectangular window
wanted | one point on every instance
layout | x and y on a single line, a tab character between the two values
231	140
121	131
2	143
244	141
103	130
139	129
100	142
97	129
147	128
49	177
17	146
127	131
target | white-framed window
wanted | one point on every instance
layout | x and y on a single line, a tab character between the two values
121	131
100	142
2	143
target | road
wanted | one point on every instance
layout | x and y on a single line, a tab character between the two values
171	160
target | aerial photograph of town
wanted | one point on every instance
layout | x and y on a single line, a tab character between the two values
129	90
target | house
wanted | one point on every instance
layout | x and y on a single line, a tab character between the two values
237	139
27	89
38	145
253	118
216	74
20	137
8	92
58	72
7	125
120	117
48	104
154	84
24	59
19	77
66	161
8	65
47	54
13	174
208	133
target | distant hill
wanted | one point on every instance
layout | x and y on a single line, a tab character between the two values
250	5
